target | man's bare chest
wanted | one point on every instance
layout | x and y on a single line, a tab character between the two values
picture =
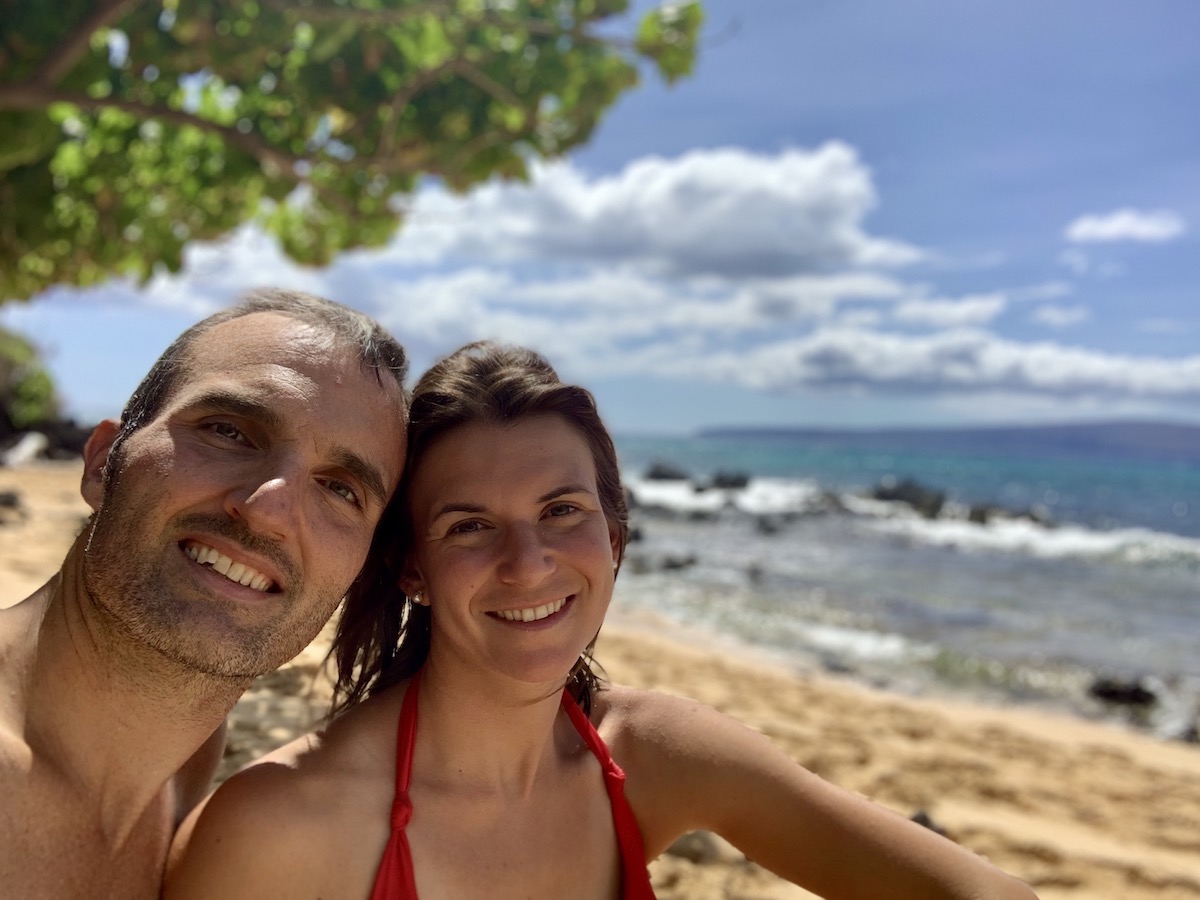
54	844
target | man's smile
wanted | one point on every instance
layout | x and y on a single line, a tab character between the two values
234	571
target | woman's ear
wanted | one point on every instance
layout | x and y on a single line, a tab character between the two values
614	540
95	459
413	585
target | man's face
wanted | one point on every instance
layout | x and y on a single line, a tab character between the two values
231	524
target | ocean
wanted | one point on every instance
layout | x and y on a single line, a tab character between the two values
1062	564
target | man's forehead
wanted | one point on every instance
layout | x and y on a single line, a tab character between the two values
265	332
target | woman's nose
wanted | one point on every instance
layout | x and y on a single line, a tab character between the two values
527	559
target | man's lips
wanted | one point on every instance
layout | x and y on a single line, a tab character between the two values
235	571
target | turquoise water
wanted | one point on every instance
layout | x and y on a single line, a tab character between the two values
1014	610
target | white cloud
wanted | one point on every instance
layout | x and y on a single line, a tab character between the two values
1147	226
1060	316
1047	290
726	211
977	309
956	361
1165	326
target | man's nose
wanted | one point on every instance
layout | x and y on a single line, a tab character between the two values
527	558
268	502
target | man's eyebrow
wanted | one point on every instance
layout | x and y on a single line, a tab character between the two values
238	404
245	405
368	474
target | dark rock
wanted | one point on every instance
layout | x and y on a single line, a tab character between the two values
768	524
980	514
704	847
1122	692
665	471
10	500
735	481
66	437
926	501
923	818
674	563
59	439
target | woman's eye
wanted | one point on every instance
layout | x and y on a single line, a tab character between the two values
470	526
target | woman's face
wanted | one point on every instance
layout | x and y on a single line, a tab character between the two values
511	549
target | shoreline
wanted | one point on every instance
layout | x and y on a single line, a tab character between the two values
1080	809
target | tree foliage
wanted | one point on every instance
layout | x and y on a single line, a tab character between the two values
27	395
130	127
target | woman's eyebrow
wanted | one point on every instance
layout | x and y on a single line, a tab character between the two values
564	490
448	508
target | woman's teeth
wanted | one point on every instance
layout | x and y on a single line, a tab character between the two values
533	614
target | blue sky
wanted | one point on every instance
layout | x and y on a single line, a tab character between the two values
856	213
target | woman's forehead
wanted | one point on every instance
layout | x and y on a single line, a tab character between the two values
531	450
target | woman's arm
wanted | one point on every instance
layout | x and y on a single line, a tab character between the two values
689	767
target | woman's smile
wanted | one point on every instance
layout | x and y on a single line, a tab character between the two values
533	613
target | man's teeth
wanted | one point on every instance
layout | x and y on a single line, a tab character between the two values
533	614
234	571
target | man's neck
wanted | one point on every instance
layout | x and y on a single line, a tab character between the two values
107	711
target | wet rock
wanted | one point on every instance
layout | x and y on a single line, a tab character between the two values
1123	692
704	847
66	438
665	471
734	481
921	817
28	447
768	525
983	513
926	501
673	562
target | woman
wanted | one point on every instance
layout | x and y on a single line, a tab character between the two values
459	765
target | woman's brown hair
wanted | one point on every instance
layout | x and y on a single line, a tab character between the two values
383	637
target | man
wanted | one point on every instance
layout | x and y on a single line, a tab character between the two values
235	503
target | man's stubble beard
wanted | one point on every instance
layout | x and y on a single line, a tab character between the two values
127	573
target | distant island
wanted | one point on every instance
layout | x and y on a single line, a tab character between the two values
1167	441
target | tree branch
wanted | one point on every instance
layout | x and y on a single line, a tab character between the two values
26	96
67	54
485	82
365	16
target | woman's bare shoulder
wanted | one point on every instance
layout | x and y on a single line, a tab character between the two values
652	719
282	819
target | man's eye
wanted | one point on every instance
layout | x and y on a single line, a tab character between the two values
343	490
229	431
561	509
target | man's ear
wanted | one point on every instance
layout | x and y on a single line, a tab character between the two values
95	458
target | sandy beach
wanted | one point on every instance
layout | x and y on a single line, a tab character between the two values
1078	809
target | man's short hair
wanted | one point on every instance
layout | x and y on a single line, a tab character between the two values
377	350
